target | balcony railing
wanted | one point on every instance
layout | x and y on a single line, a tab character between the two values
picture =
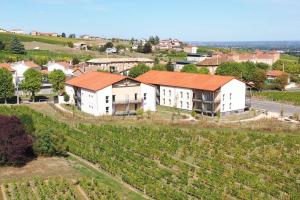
128	101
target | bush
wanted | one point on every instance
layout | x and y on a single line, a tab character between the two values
15	143
66	97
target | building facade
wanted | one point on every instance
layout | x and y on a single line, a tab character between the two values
100	93
21	67
206	94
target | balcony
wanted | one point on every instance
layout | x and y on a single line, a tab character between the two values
128	101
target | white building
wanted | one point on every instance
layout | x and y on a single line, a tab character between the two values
190	49
66	67
17	31
197	57
206	94
100	93
21	67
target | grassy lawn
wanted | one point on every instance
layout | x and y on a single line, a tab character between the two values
284	97
6	37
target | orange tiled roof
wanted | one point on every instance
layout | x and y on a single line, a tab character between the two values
6	66
185	80
31	64
95	80
275	73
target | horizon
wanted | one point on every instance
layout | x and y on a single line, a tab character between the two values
273	20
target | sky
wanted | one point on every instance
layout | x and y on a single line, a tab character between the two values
187	20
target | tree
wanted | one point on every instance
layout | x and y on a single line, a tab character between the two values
157	40
138	70
262	66
48	145
32	82
203	70
190	68
259	78
16	46
57	79
108	45
75	61
70	44
281	81
15	143
7	89
159	67
2	46
156	61
147	48
170	66
230	68
63	35
72	36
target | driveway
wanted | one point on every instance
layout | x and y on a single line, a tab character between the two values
275	107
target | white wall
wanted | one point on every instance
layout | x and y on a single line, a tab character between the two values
150	102
101	101
56	66
237	90
176	97
20	68
70	91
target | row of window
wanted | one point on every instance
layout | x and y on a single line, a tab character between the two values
181	103
230	96
230	106
181	94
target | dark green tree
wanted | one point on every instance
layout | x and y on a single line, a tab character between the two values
7	89
75	61
170	66
16	46
138	70
108	45
190	68
147	48
2	45
32	82
63	35
203	70
57	78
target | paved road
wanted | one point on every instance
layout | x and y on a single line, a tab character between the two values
271	106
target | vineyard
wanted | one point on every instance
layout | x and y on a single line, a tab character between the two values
289	97
171	163
57	189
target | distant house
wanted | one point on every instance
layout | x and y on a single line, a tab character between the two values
207	94
80	45
21	67
101	93
2	30
268	58
111	50
117	65
8	67
36	33
17	31
212	63
85	37
169	44
190	49
66	67
274	74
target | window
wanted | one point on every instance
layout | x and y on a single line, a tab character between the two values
230	96
230	106
181	94
107	110
135	106
145	96
170	93
181	105
169	101
223	97
135	96
187	95
164	101
114	98
188	105
107	99
164	92
223	107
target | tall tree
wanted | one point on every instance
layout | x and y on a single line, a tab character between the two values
32	82
75	61
63	35
16	46
138	70
147	48
170	66
2	45
15	143
6	84
57	79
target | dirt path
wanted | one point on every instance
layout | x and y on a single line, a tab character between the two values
3	193
82	193
107	174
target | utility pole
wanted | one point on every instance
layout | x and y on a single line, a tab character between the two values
17	84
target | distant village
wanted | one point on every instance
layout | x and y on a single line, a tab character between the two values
105	86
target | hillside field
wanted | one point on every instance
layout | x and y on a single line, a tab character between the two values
173	163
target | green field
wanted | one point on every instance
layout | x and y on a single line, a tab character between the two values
6	37
173	163
285	97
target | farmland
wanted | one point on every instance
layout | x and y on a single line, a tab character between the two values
285	97
175	163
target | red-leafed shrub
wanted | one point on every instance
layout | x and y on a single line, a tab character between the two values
15	143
